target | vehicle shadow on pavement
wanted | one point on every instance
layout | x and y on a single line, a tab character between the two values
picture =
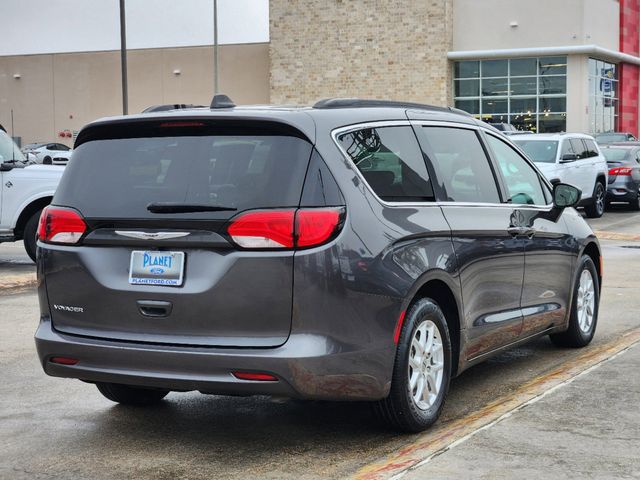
248	434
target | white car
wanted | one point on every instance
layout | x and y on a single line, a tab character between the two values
572	158
24	192
46	152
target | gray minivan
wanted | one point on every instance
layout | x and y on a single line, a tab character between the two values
356	249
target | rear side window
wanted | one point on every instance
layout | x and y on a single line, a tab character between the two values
591	149
461	165
118	178
391	162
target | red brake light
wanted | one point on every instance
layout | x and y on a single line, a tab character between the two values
181	124
316	226
64	360
624	171
264	229
285	229
60	225
260	377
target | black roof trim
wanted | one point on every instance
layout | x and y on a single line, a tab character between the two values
330	103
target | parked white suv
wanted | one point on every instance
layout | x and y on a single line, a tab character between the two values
24	192
571	158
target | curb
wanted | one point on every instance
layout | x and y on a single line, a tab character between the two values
11	284
604	235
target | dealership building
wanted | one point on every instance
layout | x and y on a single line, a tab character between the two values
544	66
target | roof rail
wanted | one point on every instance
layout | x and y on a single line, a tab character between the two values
221	101
329	103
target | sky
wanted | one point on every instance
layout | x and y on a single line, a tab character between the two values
54	26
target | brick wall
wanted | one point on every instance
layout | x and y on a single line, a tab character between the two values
365	48
629	75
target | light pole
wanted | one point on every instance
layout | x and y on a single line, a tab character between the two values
123	60
215	47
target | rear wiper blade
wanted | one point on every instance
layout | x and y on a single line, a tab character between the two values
174	207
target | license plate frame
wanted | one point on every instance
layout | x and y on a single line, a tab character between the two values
158	268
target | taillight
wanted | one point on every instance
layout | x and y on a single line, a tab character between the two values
316	226
60	225
285	229
623	171
265	229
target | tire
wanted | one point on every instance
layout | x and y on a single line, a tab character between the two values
635	205
128	395
47	160
596	208
29	235
581	331
400	409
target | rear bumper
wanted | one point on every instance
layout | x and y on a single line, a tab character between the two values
307	366
622	191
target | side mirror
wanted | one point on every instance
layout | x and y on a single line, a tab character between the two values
5	167
565	195
568	157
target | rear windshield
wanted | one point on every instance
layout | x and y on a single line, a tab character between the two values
611	137
615	154
119	178
540	151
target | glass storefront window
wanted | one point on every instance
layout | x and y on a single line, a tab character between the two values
603	96
530	93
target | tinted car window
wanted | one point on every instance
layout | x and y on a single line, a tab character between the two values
542	151
578	147
592	150
615	154
116	178
461	165
391	162
567	148
522	181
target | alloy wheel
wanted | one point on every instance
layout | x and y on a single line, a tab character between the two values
426	364
586	301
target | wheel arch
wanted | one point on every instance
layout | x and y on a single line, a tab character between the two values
442	289
27	212
592	249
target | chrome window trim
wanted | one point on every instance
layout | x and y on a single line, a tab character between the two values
435	123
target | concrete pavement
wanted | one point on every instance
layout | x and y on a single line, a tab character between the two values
589	428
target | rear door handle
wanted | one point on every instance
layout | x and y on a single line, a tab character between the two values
521	231
154	308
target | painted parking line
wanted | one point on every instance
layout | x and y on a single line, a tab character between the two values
629	237
440	438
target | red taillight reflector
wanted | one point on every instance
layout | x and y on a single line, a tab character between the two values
60	225
263	229
624	171
398	329
64	360
316	226
181	124
258	377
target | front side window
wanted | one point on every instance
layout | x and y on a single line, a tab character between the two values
391	162
461	165
578	147
521	180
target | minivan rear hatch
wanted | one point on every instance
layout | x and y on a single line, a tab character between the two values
156	263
